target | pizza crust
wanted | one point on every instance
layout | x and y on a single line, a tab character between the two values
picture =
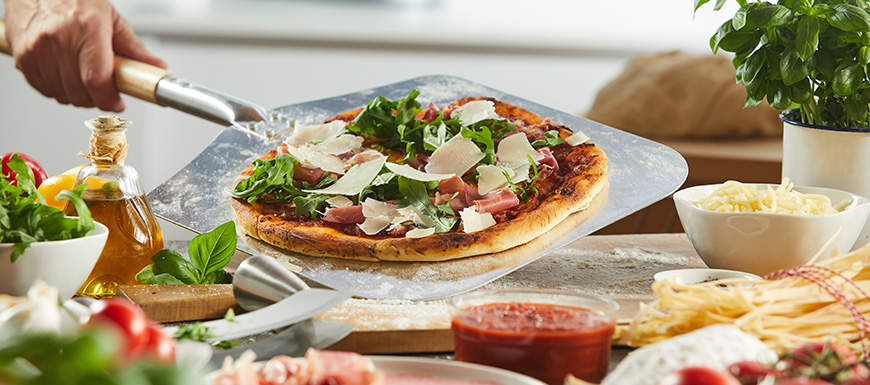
329	242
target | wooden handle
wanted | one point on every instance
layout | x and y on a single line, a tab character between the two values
132	77
4	43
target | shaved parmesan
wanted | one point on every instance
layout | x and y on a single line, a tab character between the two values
375	208
456	157
411	213
475	111
355	180
420	233
577	138
374	225
339	201
412	173
316	133
339	145
492	177
515	149
474	221
521	172
309	158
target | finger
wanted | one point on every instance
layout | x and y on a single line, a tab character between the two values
127	44
50	72
71	81
96	67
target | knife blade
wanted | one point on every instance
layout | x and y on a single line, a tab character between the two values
293	341
298	307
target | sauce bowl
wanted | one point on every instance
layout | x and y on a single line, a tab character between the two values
545	334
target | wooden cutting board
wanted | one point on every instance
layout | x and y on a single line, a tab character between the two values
617	266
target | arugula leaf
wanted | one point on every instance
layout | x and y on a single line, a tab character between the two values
270	176
415	195
384	188
392	121
523	192
209	253
24	219
310	204
484	137
194	332
551	139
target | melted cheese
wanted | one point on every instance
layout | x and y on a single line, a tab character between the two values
492	177
474	221
475	111
355	180
412	173
515	150
456	157
319	132
577	138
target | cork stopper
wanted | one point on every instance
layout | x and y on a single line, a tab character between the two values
108	143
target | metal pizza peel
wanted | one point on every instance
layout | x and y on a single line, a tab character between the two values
641	172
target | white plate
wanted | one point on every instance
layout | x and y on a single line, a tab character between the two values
441	369
450	370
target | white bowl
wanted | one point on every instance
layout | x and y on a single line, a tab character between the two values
761	243
690	276
63	264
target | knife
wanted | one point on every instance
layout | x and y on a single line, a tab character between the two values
294	341
293	309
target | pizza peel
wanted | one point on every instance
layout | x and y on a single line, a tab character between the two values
641	172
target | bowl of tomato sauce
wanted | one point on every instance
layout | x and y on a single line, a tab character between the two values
546	334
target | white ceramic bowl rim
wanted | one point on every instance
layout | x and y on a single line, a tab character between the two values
712	273
99	228
857	200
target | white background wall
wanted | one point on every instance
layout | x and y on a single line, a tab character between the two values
279	52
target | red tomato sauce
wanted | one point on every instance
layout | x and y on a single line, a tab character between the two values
540	340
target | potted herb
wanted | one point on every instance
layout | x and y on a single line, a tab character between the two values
812	59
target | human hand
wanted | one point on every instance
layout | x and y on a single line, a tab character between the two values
66	48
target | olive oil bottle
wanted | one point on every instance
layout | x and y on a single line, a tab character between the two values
115	198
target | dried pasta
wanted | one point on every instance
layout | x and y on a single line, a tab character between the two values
808	303
734	196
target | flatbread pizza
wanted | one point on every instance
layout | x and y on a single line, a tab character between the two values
395	181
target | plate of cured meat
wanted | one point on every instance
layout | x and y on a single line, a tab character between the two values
347	368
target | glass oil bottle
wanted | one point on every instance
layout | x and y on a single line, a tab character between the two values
116	199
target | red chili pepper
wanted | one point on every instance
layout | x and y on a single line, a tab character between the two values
39	173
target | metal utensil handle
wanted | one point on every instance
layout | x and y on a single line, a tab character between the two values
156	85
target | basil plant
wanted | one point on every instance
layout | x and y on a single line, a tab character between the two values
806	54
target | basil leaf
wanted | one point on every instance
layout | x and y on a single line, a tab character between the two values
212	250
415	194
793	68
807	39
169	261
162	279
848	17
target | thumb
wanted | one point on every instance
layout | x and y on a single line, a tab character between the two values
125	43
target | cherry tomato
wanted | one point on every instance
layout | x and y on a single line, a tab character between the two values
159	347
128	319
39	173
855	381
698	375
824	355
751	372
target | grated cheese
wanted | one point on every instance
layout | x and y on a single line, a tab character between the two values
736	197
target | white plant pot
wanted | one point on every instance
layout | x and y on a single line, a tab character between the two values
827	157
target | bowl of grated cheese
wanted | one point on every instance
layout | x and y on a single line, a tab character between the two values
762	228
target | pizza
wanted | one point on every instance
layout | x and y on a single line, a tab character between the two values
394	181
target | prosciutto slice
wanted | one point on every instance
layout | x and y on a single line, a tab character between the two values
549	159
347	215
498	200
310	175
466	193
323	367
430	114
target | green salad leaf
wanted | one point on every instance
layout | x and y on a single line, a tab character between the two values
551	138
415	194
24	219
209	253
